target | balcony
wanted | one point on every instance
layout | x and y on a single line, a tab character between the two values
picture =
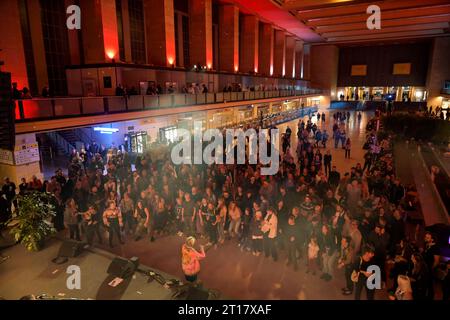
58	108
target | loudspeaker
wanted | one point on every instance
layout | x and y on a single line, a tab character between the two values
123	268
70	249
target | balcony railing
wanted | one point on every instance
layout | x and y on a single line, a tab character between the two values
53	108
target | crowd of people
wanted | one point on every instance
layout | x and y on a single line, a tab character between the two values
309	212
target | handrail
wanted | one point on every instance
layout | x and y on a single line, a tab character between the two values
35	109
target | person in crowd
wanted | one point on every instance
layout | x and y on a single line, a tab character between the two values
257	233
270	230
362	274
404	290
313	256
431	258
347	148
15	92
345	261
72	219
112	219
46	93
91	225
328	250
419	276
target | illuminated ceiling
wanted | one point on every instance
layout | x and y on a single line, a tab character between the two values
343	21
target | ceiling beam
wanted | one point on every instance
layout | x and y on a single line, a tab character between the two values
430	26
397	14
385	23
386	36
295	5
385	6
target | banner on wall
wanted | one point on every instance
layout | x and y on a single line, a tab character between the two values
359	70
6	157
402	68
26	153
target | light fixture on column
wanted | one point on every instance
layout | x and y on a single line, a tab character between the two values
170	60
111	54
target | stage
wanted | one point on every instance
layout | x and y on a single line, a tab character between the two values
27	273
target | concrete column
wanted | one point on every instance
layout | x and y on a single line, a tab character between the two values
34	16
180	43
160	32
249	44
73	38
438	70
306	61
279	64
266	44
324	68
11	43
99	27
290	57
200	32
298	59
228	38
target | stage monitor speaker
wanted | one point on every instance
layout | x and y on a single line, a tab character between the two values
122	268
70	249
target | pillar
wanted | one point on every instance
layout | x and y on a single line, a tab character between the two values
126	31
298	59
290	57
228	38
324	69
200	32
438	70
249	44
11	43
99	27
34	16
160	32
279	62
266	44
306	61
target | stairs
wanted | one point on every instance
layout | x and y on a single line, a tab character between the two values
69	136
60	144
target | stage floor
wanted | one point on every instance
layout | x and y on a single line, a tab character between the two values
27	273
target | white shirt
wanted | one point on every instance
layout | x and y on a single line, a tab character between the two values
271	225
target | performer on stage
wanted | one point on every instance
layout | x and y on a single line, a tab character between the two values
190	259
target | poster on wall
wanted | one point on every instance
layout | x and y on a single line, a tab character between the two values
6	157
402	68
359	70
26	153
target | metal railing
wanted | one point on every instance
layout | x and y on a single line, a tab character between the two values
40	109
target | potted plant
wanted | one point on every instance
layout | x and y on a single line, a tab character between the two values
32	224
